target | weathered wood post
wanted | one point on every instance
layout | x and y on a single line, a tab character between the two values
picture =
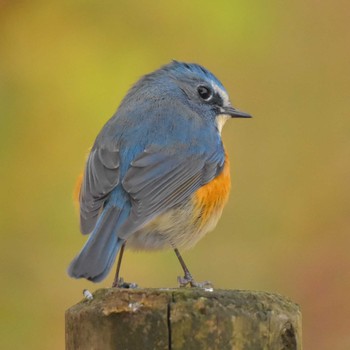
124	319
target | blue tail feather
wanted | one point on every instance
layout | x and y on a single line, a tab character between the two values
97	256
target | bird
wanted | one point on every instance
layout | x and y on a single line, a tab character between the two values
157	175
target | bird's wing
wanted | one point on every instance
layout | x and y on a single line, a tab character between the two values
100	178
158	180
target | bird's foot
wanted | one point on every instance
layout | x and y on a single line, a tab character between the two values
122	284
188	280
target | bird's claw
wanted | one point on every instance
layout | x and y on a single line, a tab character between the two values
122	284
184	281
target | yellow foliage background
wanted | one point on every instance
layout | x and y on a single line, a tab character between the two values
65	66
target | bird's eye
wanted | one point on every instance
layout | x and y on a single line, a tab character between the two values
204	92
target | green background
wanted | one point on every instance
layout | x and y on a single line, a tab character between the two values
65	66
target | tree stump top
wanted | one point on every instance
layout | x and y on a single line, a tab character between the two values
183	319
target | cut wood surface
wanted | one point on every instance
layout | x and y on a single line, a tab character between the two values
185	318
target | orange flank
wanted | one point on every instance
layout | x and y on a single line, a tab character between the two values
76	192
211	198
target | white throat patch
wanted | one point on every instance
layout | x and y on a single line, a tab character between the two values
221	120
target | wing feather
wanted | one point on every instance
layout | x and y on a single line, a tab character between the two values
100	178
160	180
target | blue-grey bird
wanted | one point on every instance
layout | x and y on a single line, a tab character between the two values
157	175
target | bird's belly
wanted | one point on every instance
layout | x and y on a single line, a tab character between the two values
185	225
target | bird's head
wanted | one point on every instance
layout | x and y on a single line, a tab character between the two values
202	91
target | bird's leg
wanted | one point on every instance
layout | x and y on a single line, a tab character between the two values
188	279
119	281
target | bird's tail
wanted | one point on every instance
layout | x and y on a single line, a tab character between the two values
96	258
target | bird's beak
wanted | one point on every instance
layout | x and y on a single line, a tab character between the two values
234	113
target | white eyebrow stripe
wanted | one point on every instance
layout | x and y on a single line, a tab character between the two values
223	94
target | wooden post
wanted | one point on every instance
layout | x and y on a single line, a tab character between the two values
125	319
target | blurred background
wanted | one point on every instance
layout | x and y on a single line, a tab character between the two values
65	66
